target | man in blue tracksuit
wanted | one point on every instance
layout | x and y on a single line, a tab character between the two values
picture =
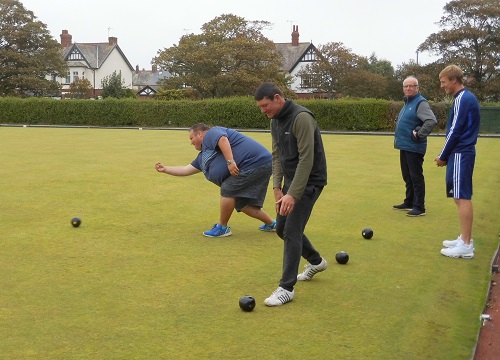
415	122
459	155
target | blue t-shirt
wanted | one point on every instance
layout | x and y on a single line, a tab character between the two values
247	153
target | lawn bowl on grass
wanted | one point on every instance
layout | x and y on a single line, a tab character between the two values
247	303
342	257
367	233
76	222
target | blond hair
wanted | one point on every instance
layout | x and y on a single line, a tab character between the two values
453	72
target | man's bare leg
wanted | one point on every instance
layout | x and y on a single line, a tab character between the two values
465	215
257	213
226	209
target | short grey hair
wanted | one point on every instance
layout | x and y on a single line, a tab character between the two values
411	78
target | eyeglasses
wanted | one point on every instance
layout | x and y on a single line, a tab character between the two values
409	86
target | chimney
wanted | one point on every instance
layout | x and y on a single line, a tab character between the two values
66	38
154	69
137	69
295	35
113	40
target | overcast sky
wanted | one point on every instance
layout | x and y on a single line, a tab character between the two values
392	29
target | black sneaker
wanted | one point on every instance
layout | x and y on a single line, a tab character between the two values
402	207
416	212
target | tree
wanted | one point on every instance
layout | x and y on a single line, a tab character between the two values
80	89
470	38
335	63
28	54
365	84
112	86
381	67
392	87
230	57
427	76
340	72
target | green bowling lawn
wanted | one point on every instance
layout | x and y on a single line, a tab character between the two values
137	280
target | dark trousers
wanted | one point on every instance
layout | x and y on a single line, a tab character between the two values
413	176
290	228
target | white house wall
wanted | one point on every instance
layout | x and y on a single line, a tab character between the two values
114	62
83	73
296	81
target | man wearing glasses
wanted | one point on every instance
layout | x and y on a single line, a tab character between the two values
415	122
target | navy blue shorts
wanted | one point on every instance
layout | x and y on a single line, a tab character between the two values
459	171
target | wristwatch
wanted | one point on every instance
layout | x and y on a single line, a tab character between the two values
229	162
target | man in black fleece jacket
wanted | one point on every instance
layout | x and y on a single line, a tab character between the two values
299	175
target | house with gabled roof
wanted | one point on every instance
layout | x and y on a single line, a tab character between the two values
296	55
146	82
93	61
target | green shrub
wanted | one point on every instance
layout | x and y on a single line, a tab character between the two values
234	112
177	94
351	115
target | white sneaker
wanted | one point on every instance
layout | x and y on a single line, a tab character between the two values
461	250
279	297
312	270
453	243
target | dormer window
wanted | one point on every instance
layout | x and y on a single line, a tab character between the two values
310	55
75	55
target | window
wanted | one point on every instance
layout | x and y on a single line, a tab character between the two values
310	81
75	55
147	91
309	56
68	78
75	75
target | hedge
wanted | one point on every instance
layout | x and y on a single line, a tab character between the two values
241	113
